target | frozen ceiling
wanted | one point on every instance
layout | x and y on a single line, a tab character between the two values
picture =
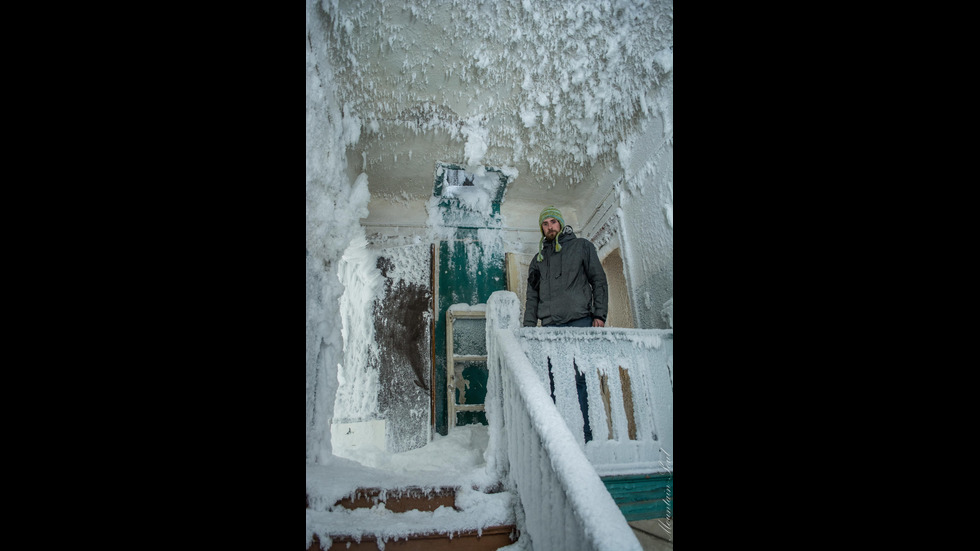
548	88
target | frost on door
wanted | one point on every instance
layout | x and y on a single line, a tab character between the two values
469	267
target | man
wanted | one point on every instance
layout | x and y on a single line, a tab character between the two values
566	287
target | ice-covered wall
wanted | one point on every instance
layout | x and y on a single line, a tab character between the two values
632	209
333	208
357	392
646	199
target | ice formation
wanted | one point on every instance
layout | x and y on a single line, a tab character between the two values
580	74
581	78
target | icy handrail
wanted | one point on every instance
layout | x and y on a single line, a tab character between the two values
566	505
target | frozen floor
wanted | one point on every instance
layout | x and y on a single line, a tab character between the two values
653	536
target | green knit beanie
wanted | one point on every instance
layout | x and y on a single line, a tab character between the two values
550	212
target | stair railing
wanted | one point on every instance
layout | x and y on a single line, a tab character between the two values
565	504
629	389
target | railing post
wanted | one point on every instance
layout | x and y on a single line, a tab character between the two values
505	309
503	314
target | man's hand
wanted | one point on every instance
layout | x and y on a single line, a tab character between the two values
596	322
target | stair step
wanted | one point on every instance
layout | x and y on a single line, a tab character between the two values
408	500
400	501
491	539
405	499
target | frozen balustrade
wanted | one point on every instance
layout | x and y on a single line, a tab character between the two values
628	375
566	506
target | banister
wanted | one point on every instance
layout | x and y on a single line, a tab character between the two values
565	503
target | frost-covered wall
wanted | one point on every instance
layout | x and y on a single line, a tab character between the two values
357	392
635	213
333	208
647	204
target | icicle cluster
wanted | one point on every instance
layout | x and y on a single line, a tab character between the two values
559	84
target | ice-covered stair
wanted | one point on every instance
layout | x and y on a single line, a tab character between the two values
352	506
415	518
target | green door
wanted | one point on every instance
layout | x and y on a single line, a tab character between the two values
469	271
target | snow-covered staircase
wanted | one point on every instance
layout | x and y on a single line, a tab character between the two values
414	519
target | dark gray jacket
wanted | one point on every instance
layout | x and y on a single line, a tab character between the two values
566	285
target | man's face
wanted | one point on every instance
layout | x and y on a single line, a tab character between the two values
550	227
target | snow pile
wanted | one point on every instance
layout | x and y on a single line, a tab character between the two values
455	460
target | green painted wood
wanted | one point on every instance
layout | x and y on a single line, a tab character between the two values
647	510
496	200
631	485
457	284
639	492
639	496
642	497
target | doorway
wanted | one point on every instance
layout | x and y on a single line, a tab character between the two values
620	312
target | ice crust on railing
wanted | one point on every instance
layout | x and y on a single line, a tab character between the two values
646	356
564	503
639	338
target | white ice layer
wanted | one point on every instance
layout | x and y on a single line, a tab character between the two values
579	75
604	351
566	506
357	391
